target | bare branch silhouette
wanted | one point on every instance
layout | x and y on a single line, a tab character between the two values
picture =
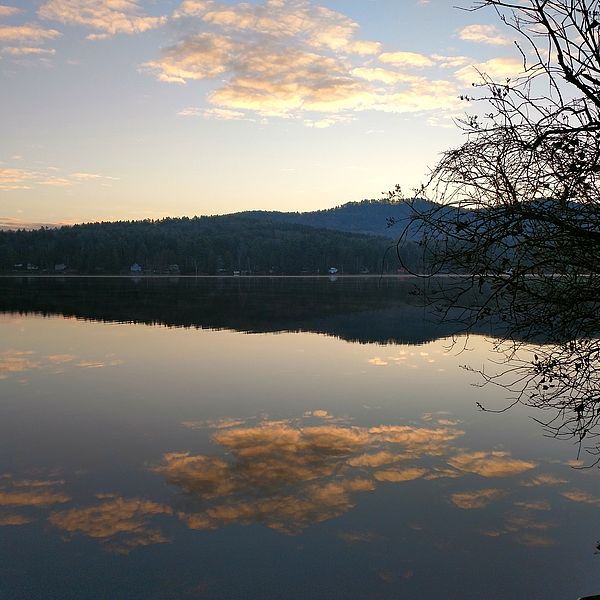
513	214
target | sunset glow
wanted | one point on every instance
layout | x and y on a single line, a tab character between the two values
125	110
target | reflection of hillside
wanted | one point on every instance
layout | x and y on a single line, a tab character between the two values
354	309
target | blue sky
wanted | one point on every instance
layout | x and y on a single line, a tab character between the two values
120	109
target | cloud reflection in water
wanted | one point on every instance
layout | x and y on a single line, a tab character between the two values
289	477
121	523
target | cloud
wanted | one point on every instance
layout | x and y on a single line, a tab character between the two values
317	26
406	59
287	58
9	223
56	182
490	464
27	33
13	179
450	62
8	11
27	51
476	498
201	56
483	34
496	69
221	114
109	17
385	75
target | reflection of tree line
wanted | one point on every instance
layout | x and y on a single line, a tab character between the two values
356	309
290	475
560	378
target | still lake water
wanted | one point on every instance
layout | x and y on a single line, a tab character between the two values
270	438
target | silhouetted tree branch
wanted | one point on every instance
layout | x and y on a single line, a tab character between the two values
514	213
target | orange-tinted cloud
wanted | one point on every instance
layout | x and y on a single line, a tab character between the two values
490	464
484	34
288	58
27	51
12	178
109	17
27	33
8	11
406	59
497	69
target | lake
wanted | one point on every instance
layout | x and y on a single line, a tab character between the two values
271	438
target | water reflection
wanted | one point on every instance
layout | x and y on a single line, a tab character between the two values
17	363
209	462
22	499
290	475
359	309
121	524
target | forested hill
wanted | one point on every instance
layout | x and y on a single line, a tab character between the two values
368	217
257	242
199	245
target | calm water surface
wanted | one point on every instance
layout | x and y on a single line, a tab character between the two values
269	438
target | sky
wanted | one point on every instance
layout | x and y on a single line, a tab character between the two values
125	109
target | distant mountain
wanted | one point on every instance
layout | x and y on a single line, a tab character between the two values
369	217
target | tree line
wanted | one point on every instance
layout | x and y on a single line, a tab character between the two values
198	245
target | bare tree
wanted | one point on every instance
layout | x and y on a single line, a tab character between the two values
514	212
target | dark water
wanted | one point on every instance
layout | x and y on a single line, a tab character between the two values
270	438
